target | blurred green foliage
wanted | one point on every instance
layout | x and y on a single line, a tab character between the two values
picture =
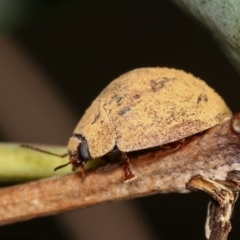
222	18
22	164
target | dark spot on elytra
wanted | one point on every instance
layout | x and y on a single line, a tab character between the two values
96	117
202	98
157	84
136	96
123	111
117	99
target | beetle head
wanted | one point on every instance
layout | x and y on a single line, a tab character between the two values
78	152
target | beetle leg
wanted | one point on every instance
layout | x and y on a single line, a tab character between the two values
220	209
126	167
179	144
174	145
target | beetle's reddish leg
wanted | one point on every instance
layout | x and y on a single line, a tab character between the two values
179	144
126	167
219	210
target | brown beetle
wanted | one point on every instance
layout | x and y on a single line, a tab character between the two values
141	109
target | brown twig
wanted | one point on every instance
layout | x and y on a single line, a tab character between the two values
220	226
220	209
158	171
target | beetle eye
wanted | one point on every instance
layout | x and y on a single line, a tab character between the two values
83	151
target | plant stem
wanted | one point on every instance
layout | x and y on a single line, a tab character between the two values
158	170
21	164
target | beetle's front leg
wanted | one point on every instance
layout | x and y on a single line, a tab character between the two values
220	209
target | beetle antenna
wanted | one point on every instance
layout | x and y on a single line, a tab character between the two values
44	151
62	166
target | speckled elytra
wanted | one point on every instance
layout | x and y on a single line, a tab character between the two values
141	109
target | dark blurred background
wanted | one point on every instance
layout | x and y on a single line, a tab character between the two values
55	59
